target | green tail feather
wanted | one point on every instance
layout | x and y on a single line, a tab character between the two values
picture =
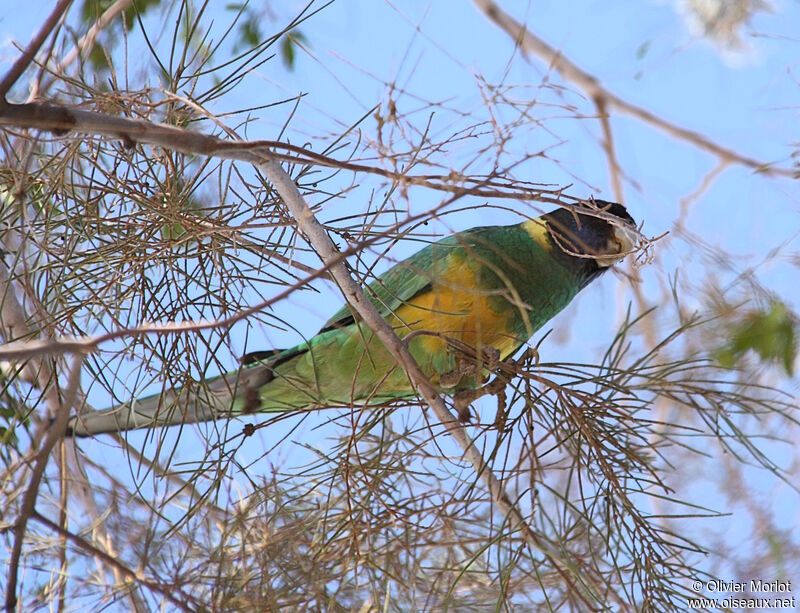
231	393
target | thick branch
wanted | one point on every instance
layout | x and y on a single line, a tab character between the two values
355	296
62	119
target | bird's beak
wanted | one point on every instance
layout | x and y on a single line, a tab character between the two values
625	239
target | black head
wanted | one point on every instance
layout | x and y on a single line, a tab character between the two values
591	243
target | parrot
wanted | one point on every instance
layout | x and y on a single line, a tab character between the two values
461	305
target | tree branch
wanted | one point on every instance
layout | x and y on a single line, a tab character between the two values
531	43
24	60
264	155
167	591
54	433
62	119
355	296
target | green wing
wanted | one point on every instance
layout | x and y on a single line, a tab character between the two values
403	281
413	276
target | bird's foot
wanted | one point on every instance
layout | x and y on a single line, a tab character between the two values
462	400
450	379
471	363
464	368
491	358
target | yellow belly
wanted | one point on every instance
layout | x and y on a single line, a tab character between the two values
456	311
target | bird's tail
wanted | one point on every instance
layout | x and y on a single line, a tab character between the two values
228	394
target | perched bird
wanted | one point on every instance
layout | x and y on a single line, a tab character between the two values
460	304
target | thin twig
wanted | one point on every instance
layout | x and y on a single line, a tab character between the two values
62	119
608	144
63	484
24	60
355	296
84	45
531	43
54	433
165	590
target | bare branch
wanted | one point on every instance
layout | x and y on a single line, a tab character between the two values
354	294
27	56
55	432
165	590
61	120
531	43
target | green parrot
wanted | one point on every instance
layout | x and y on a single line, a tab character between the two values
460	304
